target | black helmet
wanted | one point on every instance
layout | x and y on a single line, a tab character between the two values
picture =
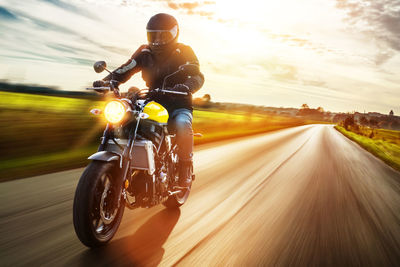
162	29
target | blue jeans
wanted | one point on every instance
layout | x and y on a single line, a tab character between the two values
180	121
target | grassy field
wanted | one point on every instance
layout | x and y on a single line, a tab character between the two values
221	125
47	133
385	144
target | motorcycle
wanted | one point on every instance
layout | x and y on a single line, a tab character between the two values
136	164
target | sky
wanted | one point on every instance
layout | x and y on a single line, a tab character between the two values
343	55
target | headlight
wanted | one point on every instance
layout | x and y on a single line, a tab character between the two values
114	111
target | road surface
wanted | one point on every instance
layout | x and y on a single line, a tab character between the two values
304	196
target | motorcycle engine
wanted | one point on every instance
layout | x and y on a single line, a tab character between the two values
139	187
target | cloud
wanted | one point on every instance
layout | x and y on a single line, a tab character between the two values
379	20
383	56
48	26
69	7
284	72
302	42
192	8
31	39
45	25
72	50
187	5
61	4
6	14
317	83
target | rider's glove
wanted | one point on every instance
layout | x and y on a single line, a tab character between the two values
99	83
181	88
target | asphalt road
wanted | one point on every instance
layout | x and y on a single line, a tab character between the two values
304	196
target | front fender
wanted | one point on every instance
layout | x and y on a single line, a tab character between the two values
106	156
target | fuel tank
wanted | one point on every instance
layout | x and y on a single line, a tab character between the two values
156	112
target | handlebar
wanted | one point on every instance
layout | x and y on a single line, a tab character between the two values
105	89
99	88
171	92
116	91
107	85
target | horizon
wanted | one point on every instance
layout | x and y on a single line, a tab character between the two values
284	57
197	96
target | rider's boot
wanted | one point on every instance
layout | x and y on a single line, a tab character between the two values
185	173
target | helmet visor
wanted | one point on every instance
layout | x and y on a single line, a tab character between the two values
161	37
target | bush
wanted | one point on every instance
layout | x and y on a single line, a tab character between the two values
371	135
349	121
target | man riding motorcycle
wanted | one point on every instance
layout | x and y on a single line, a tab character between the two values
162	56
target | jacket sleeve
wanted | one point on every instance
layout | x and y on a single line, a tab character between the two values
193	82
125	71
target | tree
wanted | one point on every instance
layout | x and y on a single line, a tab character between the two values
363	121
305	106
373	122
349	121
396	125
391	113
204	101
339	117
206	98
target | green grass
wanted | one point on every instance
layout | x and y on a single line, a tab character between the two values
42	134
385	144
33	125
49	162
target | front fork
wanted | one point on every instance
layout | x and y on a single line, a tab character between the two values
106	137
123	163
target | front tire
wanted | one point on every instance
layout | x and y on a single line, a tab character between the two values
95	217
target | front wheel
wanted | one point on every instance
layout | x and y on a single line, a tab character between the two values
97	209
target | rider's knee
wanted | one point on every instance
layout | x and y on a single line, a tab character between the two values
183	123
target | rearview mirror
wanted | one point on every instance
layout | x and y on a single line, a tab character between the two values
99	66
190	69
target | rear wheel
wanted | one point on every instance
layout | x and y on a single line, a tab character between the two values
96	211
177	200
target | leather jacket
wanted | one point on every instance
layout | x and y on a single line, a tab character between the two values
155	69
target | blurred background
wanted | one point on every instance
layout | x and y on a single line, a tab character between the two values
268	65
297	191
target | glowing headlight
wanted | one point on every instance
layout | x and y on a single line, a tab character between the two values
114	111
